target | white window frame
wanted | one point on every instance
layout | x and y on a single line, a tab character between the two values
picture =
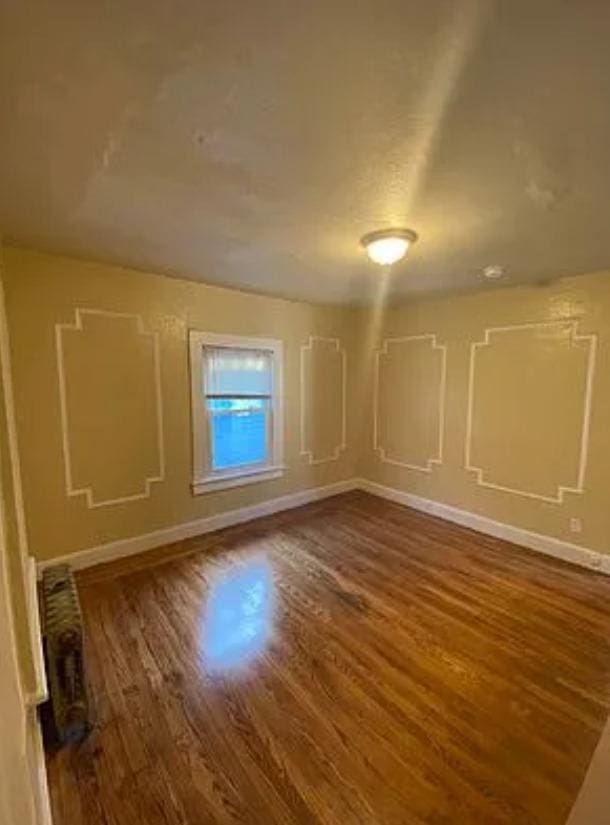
206	480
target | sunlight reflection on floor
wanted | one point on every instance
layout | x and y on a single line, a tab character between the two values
238	616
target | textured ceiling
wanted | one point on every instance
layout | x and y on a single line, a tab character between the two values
253	143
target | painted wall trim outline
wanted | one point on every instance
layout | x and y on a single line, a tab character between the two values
383	350
71	490
558	498
342	446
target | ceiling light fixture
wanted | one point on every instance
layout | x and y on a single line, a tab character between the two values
388	246
493	272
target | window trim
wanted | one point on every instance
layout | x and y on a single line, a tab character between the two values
204	480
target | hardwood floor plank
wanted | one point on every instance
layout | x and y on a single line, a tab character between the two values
351	661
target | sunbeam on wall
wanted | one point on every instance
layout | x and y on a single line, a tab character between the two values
457	42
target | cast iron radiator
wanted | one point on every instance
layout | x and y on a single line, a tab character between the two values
66	717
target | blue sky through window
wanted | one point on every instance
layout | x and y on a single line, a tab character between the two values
238	429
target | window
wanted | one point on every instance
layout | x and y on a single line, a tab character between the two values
237	411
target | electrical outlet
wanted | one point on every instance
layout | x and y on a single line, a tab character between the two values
575	525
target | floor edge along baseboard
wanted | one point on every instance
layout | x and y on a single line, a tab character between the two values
122	548
574	553
558	549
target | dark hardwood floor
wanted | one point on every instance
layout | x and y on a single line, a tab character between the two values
350	662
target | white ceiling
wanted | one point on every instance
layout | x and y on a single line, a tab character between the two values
252	143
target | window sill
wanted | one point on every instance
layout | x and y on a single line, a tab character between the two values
224	481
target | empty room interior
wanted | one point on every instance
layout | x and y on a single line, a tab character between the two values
305	412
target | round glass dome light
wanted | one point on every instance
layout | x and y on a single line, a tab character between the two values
388	246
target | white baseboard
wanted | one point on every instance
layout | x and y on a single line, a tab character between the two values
574	553
534	541
138	544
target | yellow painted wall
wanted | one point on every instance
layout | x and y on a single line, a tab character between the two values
534	380
20	768
13	555
10	514
109	378
533	364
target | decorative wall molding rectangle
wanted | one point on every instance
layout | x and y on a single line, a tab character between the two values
306	451
87	491
379	449
578	486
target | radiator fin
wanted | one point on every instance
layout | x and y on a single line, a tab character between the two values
64	650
